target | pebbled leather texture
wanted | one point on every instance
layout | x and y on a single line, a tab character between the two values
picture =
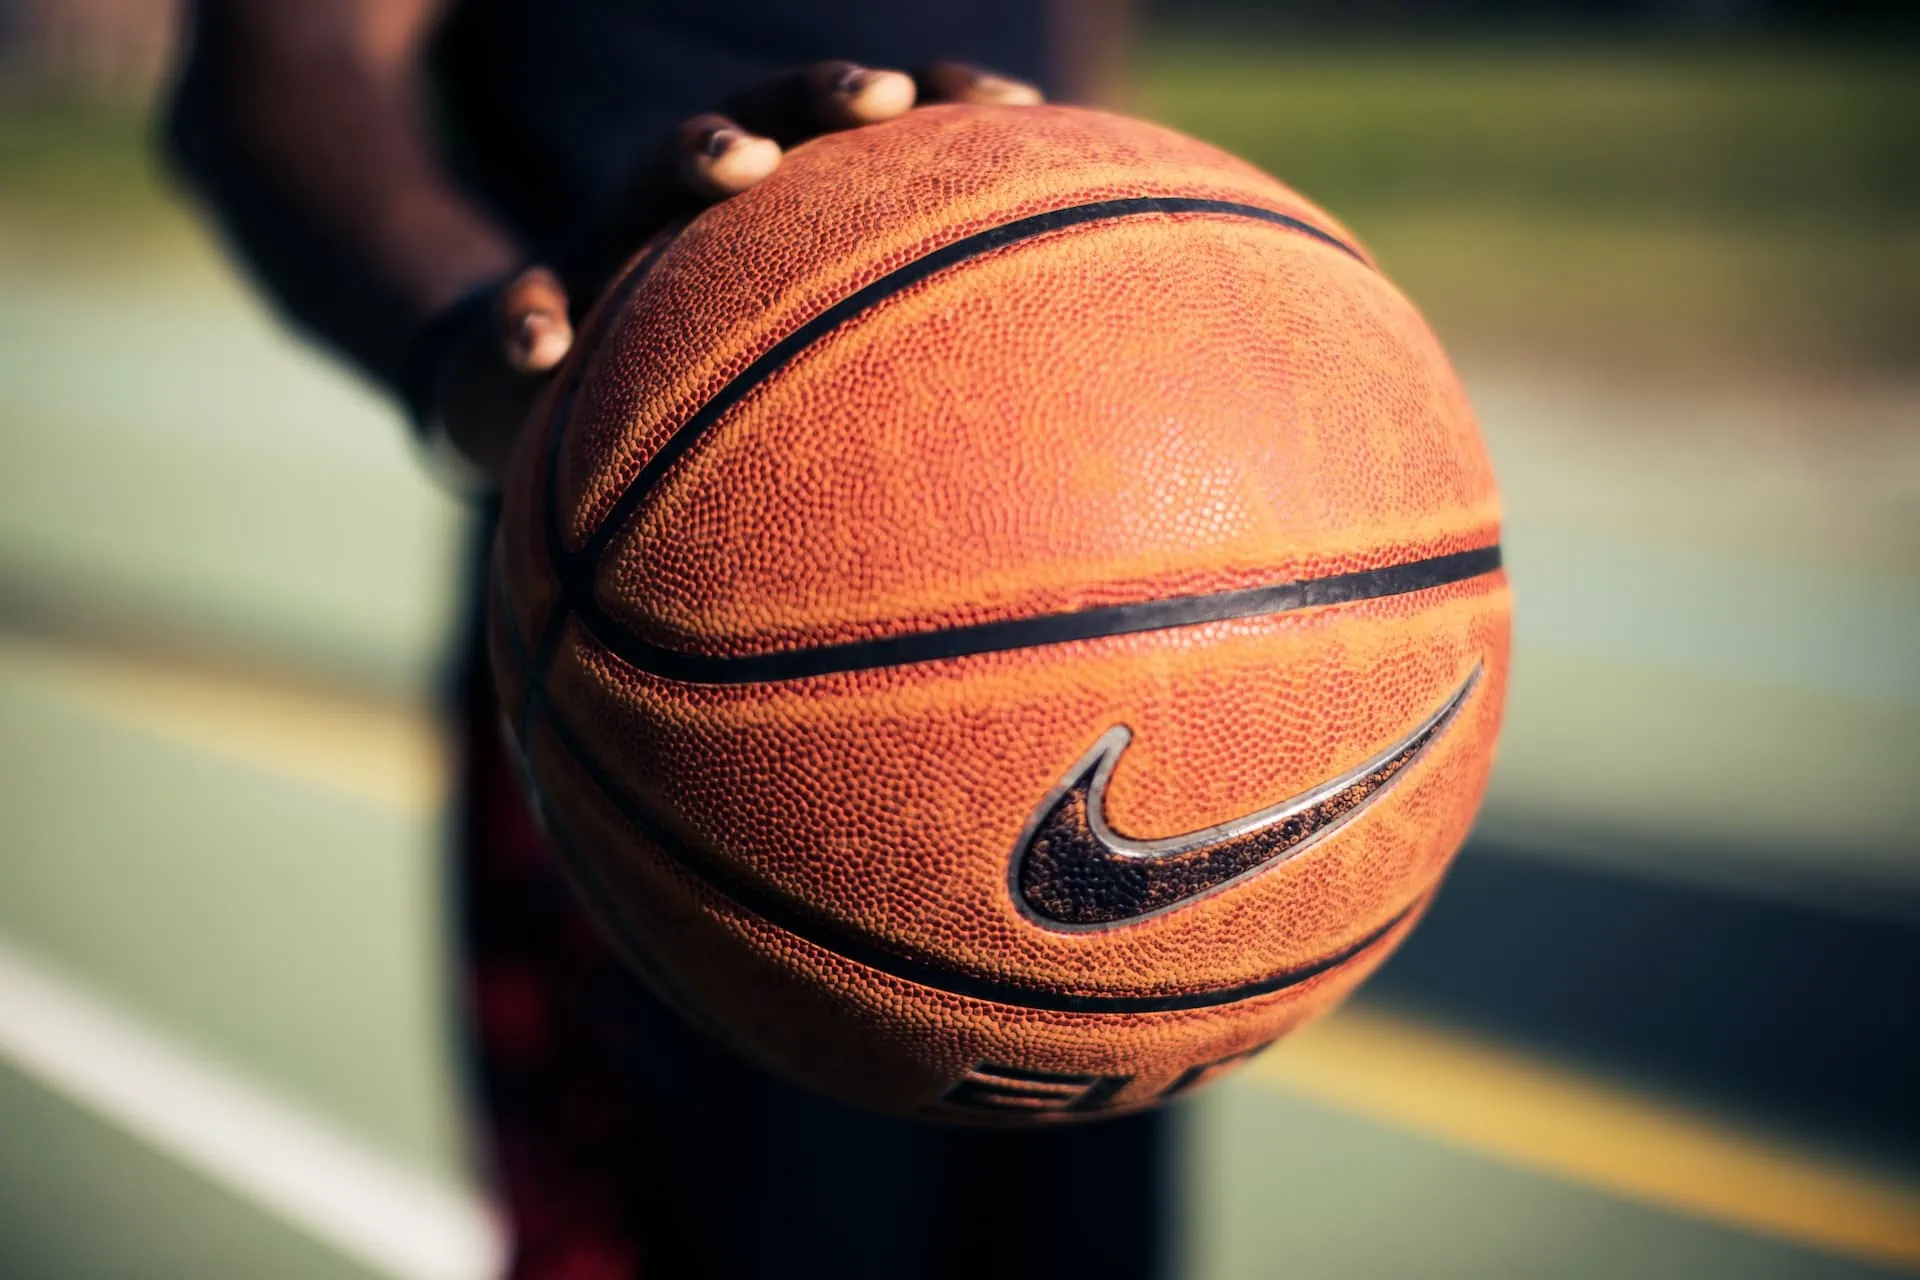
1170	401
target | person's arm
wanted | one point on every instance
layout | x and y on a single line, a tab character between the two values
302	125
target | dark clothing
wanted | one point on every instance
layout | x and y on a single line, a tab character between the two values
625	1143
555	105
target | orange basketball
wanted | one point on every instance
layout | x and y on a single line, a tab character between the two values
1005	619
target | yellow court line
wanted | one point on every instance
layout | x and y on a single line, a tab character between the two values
394	757
1553	1120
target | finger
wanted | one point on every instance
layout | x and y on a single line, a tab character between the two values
703	159
530	315
821	99
845	95
716	158
960	82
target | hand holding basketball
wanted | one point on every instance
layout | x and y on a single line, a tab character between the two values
496	368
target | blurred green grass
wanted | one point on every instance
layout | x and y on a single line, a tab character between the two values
1659	208
79	169
1802	136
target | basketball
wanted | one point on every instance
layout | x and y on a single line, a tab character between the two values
1004	620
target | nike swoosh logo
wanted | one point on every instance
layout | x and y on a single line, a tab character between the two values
1072	871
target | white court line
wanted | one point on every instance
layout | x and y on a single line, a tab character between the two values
260	1147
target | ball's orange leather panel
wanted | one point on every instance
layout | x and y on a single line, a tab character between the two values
1109	413
1122	411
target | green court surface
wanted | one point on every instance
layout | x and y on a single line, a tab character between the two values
225	595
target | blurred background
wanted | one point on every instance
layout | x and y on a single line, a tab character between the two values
1662	1022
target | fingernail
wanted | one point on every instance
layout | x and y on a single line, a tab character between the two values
852	81
1001	89
719	142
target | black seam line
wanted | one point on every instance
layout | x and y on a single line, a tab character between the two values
549	640
1046	629
631	941
717	876
575	568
